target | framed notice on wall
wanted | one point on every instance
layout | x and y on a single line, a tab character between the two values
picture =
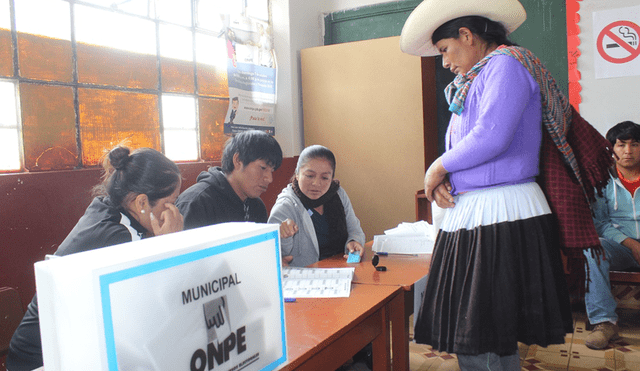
617	42
208	298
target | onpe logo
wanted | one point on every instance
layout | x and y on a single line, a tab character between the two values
216	317
222	341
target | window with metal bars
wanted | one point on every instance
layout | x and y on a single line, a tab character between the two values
80	76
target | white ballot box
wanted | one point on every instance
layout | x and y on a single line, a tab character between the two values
203	299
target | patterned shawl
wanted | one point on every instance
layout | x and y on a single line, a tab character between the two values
574	163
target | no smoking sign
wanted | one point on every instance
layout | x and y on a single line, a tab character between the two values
618	42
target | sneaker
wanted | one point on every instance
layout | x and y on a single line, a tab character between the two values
601	335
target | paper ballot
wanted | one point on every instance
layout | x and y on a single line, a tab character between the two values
317	282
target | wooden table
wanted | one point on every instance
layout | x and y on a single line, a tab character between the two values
324	333
402	271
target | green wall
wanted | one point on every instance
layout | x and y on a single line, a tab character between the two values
544	32
372	22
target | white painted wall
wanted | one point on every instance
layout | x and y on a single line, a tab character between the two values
605	102
297	25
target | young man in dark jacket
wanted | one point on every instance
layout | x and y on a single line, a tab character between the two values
232	192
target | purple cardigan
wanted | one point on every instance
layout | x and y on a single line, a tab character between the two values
497	138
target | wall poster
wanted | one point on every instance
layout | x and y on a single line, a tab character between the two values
616	36
251	68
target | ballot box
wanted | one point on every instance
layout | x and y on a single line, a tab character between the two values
202	299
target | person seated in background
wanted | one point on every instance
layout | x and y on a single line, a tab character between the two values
323	222
135	200
616	216
231	193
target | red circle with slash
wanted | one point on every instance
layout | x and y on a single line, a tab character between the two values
633	53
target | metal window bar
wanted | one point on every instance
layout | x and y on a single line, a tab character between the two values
76	85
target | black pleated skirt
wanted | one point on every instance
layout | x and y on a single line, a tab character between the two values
496	276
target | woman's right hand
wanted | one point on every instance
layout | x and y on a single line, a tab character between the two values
288	228
442	195
169	221
286	260
434	177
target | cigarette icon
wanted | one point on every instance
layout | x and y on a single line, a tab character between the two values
616	45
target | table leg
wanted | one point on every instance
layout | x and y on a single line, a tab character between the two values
381	345
400	331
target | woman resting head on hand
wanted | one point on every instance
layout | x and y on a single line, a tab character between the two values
146	185
135	200
320	221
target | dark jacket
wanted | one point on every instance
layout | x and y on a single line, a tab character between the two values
212	200
101	225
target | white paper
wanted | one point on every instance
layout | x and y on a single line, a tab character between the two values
407	238
419	228
317	282
399	244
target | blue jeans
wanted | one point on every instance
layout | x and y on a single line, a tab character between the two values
489	362
600	303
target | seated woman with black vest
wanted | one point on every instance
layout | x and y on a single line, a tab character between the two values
322	222
135	200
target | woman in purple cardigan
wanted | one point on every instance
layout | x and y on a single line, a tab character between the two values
496	276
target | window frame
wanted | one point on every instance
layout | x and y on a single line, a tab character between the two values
75	84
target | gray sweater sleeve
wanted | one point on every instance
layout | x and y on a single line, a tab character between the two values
282	210
354	230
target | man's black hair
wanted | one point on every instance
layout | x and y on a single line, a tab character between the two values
251	145
624	131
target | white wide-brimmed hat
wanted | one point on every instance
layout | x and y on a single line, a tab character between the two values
430	14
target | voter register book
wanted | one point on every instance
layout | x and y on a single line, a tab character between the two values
202	299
